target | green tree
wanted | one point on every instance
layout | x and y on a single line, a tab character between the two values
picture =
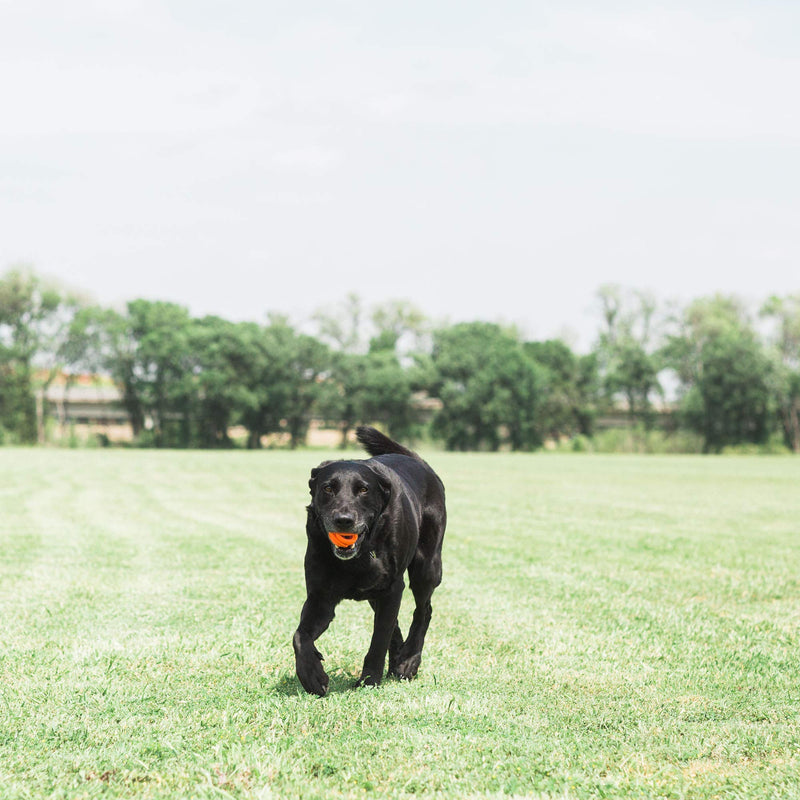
395	321
283	370
372	386
724	373
147	350
219	355
33	323
633	373
308	360
570	392
368	388
341	327
785	356
265	396
297	363
110	346
628	362
588	393
489	387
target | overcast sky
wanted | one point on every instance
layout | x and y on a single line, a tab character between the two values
484	160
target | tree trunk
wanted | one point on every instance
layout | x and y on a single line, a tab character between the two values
40	416
345	430
792	424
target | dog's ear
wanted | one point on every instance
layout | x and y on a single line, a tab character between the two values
384	483
386	488
312	481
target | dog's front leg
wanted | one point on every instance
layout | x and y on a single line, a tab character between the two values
386	609
315	617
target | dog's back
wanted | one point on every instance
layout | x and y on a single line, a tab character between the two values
405	463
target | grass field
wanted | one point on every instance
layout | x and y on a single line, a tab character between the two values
608	626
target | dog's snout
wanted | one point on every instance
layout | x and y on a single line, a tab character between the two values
344	521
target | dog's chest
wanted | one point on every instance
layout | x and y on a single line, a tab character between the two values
375	578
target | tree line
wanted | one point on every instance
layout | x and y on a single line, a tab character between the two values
710	368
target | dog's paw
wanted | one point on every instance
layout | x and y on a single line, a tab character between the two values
312	676
369	679
407	668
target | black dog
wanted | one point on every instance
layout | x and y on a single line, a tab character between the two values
392	507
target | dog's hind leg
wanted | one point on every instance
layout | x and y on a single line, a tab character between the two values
424	577
395	645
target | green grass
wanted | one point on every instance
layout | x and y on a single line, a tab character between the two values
608	626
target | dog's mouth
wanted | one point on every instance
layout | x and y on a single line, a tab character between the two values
345	545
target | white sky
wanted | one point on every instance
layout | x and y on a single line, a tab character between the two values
484	160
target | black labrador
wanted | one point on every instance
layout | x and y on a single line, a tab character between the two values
390	509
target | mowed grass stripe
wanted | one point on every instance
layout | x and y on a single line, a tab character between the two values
607	626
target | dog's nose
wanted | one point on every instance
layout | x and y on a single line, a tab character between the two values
344	521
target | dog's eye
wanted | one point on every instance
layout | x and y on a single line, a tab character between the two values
363	489
327	489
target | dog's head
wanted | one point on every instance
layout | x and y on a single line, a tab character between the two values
347	497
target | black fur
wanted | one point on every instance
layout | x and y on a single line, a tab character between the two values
395	503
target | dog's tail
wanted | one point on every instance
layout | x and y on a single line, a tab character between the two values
377	444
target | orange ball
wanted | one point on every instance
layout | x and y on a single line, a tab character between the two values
343	539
